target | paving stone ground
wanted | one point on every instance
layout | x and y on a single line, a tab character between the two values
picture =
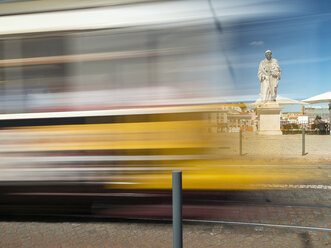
43	234
277	147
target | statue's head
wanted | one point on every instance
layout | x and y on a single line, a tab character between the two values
268	54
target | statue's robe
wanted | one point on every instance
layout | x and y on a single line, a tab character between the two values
269	74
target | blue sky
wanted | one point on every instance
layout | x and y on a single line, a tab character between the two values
300	40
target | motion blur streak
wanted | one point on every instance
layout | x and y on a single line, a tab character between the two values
130	151
101	97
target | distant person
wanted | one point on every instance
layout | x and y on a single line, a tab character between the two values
319	124
327	128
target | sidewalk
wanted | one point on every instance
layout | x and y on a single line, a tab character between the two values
276	148
142	235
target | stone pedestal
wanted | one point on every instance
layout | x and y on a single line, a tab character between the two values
269	118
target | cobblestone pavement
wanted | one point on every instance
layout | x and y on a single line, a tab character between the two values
68	234
277	147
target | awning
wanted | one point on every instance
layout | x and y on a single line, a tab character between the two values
325	97
281	100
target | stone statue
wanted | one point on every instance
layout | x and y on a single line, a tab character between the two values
269	73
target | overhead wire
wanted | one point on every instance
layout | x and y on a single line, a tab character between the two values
220	30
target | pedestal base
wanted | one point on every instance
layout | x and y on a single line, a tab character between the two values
269	118
270	132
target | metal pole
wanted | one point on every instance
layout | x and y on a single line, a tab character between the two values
303	142
240	142
177	209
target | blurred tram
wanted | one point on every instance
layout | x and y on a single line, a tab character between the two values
114	98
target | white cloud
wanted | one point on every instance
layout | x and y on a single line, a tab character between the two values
256	43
